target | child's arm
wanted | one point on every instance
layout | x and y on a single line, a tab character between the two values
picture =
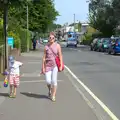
19	63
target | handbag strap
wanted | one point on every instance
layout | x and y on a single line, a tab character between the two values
52	51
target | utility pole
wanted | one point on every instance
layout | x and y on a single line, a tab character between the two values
74	22
27	28
5	22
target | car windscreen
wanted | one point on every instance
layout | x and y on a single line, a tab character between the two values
99	40
71	39
115	40
106	40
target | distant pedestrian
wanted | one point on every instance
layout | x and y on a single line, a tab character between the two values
34	42
14	75
49	66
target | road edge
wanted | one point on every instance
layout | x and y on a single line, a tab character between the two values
101	104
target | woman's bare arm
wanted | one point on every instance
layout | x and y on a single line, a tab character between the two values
43	59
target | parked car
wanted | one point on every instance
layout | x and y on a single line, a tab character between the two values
45	40
103	46
114	46
98	44
92	45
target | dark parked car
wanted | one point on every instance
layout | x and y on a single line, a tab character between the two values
103	47
93	44
114	46
97	45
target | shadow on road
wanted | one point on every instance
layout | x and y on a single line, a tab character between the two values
34	95
111	54
4	94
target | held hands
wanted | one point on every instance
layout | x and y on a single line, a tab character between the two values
5	73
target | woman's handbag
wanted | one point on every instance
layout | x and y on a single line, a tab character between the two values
57	60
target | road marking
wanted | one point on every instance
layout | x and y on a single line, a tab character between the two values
36	81
75	49
93	95
30	75
33	62
87	100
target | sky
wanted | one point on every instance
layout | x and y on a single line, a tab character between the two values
67	9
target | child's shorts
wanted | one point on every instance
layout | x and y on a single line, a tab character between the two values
14	80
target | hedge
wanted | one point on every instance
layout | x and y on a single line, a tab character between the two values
1	32
23	39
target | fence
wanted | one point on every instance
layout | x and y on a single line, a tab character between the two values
19	45
2	57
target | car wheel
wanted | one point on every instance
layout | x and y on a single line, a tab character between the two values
91	48
98	50
109	51
113	52
75	45
94	48
105	50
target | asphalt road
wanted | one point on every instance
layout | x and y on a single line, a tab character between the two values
32	102
98	71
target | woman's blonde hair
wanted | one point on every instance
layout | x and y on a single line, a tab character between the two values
52	33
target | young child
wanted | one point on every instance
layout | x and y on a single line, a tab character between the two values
14	75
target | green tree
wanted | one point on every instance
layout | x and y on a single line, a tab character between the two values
79	27
42	13
101	17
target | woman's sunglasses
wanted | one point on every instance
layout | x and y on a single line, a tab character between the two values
51	38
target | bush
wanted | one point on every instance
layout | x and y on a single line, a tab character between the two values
20	39
97	35
1	32
23	38
87	38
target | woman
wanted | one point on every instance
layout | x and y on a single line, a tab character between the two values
49	67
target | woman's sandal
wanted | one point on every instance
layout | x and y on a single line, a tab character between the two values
53	98
14	96
10	96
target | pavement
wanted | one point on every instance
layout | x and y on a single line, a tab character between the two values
32	101
100	72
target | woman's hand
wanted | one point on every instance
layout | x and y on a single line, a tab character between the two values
60	69
43	70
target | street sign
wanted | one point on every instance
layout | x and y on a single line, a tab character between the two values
11	41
